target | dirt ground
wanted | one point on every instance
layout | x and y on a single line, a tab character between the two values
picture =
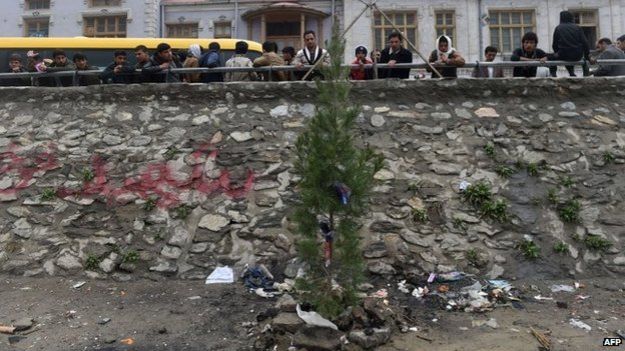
188	315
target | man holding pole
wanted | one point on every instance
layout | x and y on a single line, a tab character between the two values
310	55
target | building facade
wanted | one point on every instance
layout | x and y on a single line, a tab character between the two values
475	24
91	18
281	21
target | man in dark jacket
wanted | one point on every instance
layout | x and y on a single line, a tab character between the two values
212	59
527	52
119	71
157	70
15	66
61	63
620	43
393	54
81	63
609	52
142	58
569	43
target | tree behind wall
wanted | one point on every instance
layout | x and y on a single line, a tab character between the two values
327	159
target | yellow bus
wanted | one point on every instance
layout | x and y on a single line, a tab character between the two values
99	51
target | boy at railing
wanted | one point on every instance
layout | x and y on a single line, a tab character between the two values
360	73
15	66
528	52
488	72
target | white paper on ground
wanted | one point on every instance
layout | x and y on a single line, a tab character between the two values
314	318
221	275
579	324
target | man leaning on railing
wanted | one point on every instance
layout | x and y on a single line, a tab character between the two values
488	72
608	52
61	63
119	71
15	66
42	75
158	70
81	63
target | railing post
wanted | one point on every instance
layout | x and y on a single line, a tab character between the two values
270	74
375	69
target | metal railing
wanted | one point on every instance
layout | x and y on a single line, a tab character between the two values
272	69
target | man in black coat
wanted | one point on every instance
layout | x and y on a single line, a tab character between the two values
569	43
527	52
394	54
157	70
620	43
80	61
15	66
119	71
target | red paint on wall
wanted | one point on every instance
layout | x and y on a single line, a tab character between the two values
156	180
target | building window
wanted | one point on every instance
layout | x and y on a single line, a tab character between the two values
105	3
37	4
587	19
223	30
508	27
37	27
405	21
283	29
182	30
105	26
446	24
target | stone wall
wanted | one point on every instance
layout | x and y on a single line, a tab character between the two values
128	181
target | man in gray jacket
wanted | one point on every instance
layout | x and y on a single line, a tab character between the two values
609	52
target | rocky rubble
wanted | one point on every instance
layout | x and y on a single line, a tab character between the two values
127	181
363	327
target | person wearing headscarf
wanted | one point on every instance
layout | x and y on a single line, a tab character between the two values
192	61
446	56
360	72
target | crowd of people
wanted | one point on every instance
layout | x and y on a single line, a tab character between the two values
569	44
